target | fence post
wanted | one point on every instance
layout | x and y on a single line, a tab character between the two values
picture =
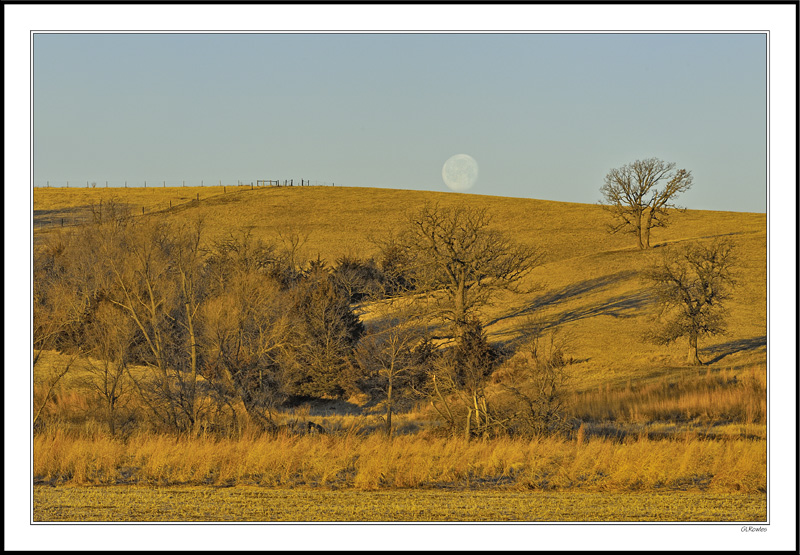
62	222
106	184
198	197
142	210
183	183
67	183
201	182
170	204
145	184
223	190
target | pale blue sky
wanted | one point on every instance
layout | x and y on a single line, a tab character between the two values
545	115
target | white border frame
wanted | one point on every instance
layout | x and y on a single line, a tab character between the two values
778	19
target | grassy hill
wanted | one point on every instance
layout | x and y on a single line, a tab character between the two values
588	287
629	395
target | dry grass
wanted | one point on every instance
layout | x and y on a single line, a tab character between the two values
412	461
708	395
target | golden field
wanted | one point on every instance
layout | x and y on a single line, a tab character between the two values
660	440
258	504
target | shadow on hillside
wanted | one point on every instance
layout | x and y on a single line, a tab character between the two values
685	240
313	406
723	350
53	218
565	294
621	306
63	217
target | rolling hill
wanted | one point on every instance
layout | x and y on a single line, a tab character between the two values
588	286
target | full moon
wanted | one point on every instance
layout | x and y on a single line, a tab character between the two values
460	172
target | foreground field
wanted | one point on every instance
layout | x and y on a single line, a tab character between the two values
253	504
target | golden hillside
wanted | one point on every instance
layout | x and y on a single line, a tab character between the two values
588	286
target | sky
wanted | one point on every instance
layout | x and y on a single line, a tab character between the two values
544	115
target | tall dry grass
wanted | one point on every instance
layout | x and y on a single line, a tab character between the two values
418	461
718	395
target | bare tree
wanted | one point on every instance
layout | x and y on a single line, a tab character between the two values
108	338
393	354
188	264
457	387
48	379
454	258
62	298
691	284
57	305
636	199
536	378
246	327
140	273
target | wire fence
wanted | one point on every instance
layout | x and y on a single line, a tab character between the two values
164	183
79	215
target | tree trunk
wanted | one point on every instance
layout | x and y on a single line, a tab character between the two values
389	410
477	412
638	224
459	313
193	369
256	415
110	409
693	359
646	230
450	418
485	416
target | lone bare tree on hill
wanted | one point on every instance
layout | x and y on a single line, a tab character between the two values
691	284
639	196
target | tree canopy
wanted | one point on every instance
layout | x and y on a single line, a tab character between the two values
454	256
639	196
691	284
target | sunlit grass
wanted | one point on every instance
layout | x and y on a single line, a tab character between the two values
414	461
720	395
